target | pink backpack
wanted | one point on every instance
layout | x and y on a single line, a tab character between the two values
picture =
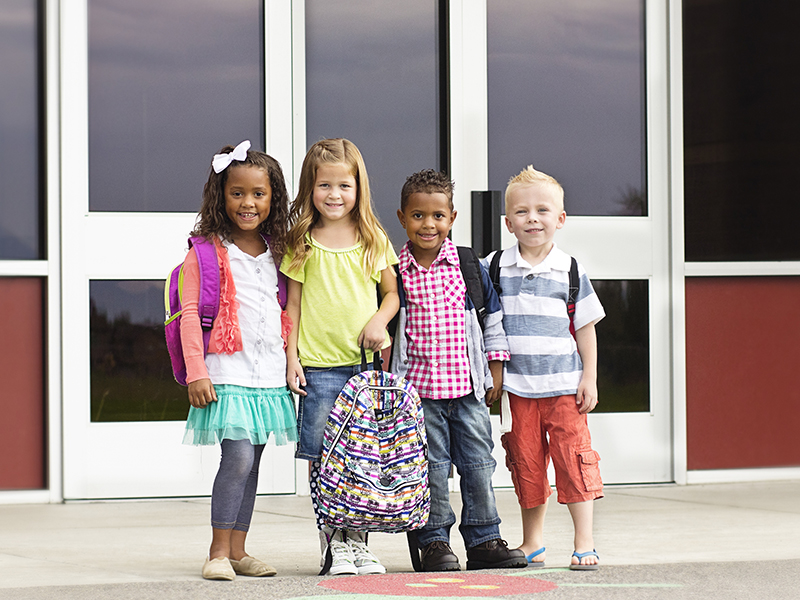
207	305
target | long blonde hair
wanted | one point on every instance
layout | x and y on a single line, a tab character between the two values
304	216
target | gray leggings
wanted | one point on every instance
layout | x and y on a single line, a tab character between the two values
234	493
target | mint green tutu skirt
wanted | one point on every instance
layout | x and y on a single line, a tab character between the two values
242	413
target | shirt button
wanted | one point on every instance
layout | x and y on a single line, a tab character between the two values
263	299
435	342
435	364
258	341
258	270
529	277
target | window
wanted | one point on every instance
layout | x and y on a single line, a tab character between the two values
566	94
372	76
131	374
169	84
21	164
741	60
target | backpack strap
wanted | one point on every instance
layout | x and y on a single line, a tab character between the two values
208	302
401	293
471	272
494	272
574	288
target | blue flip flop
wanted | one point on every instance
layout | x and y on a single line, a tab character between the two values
580	556
535	564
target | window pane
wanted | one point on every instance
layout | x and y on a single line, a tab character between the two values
20	131
623	346
131	374
371	77
741	60
170	83
566	94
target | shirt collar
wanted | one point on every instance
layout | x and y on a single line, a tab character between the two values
556	260
447	253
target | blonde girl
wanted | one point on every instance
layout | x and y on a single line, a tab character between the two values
238	392
337	252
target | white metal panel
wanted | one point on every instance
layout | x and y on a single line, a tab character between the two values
136	459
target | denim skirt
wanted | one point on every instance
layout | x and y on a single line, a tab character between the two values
323	385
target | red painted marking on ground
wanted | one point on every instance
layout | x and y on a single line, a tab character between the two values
442	585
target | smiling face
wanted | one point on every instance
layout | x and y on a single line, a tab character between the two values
533	214
335	192
427	219
248	198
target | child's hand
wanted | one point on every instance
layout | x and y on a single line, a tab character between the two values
494	394
373	335
587	396
201	393
295	377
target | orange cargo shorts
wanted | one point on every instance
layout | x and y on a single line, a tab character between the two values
551	427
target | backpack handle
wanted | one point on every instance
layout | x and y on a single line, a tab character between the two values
376	360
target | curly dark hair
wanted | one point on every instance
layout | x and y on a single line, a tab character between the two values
213	220
427	181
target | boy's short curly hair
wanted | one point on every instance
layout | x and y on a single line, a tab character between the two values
530	176
427	181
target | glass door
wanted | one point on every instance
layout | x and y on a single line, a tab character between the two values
154	91
579	90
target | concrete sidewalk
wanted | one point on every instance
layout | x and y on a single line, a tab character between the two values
701	541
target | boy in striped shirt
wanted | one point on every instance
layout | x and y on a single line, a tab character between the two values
551	377
455	365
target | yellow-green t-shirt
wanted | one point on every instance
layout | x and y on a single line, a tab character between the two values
337	302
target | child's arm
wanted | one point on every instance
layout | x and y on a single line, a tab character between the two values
587	389
201	393
373	335
493	395
294	371
494	337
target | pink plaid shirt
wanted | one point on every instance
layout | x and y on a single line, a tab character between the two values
437	341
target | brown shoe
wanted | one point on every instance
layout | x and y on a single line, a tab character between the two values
495	554
438	556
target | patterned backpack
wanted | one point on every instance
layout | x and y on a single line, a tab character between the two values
374	472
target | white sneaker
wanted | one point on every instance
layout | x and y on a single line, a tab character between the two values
365	561
343	560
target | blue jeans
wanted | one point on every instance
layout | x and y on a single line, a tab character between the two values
234	493
460	433
322	388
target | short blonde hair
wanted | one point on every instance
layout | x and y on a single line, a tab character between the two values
530	176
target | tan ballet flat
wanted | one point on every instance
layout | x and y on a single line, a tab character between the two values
218	568
252	567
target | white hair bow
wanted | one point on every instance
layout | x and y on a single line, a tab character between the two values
221	161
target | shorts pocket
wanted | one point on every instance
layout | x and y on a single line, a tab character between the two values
588	461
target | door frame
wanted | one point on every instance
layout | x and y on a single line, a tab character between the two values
94	463
659	235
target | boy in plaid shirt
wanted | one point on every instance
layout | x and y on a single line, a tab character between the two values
440	348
